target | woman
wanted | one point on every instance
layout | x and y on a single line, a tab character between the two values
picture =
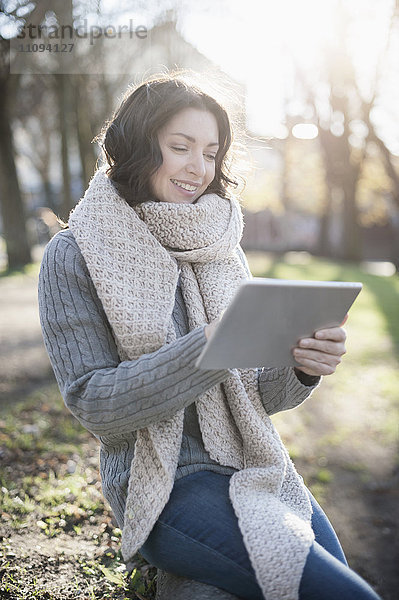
191	465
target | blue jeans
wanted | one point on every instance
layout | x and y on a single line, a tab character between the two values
197	536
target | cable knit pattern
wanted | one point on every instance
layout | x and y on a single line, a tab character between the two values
113	399
133	258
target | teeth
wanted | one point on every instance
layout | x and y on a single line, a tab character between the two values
185	186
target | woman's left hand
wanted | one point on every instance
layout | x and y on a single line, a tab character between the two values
321	354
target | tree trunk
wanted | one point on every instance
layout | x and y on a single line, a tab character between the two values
343	173
323	241
61	83
351	230
48	195
395	245
394	177
12	207
83	128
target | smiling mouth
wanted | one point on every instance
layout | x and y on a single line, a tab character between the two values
185	186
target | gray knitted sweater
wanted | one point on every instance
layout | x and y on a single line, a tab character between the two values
113	399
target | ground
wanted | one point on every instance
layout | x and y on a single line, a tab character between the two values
58	540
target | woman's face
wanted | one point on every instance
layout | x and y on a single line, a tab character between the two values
189	143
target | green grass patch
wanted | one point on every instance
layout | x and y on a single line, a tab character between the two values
39	424
11	587
324	476
140	583
50	487
43	468
31	270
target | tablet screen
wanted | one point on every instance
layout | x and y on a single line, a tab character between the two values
267	317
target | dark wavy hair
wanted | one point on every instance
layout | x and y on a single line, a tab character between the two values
130	139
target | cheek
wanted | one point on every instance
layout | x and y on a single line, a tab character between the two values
160	175
153	181
156	182
170	165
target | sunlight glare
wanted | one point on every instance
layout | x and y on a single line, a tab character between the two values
305	131
261	43
258	45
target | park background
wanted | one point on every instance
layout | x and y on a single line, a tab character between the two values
314	90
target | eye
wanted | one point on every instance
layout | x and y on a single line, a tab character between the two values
210	156
178	148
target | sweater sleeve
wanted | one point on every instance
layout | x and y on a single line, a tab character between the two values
280	388
106	395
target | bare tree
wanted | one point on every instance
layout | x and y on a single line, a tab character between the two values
343	163
12	207
36	118
386	155
84	125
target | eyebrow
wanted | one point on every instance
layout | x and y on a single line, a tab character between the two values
191	139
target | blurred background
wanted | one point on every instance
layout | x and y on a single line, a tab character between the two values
313	85
314	90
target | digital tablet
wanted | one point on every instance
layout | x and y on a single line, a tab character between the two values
267	317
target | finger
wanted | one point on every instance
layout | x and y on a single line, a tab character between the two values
316	356
345	320
312	367
337	348
308	371
335	334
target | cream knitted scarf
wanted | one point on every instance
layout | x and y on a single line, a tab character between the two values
134	257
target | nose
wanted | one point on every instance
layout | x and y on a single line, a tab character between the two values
196	165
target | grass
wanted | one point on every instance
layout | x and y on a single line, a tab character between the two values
18	582
30	270
49	489
39	476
